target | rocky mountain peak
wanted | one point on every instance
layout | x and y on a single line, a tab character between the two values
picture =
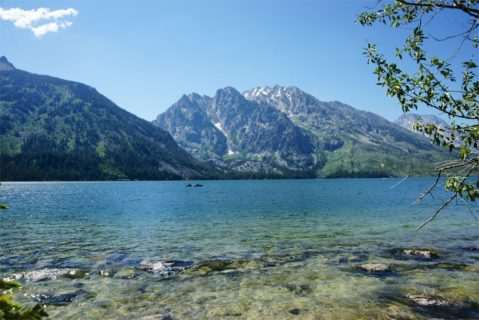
275	91
290	100
6	65
229	91
228	95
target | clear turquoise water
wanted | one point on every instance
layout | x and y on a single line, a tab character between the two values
289	249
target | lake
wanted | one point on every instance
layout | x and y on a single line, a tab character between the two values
271	249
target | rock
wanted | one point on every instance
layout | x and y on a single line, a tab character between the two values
128	273
104	304
104	273
3	206
374	268
439	305
299	290
60	299
224	266
158	317
420	253
44	274
295	311
165	268
429	301
455	266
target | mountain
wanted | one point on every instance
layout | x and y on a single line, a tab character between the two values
230	131
408	120
285	132
53	129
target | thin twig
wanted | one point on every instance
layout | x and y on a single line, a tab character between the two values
474	25
430	188
469	209
437	211
470	11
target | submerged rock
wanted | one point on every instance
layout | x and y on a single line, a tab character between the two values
299	290
435	305
60	299
165	316
455	266
218	265
295	311
422	254
44	274
165	268
128	273
429	301
105	273
374	268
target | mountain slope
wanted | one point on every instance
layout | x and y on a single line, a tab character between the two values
290	133
53	129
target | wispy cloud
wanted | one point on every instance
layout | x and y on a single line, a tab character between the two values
40	21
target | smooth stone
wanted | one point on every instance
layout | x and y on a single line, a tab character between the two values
374	267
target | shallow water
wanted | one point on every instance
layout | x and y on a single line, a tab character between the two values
240	249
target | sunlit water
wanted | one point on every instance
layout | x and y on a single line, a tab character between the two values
241	249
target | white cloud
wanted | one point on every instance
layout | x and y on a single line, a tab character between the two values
40	21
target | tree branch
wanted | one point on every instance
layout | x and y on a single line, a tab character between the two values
456	6
437	211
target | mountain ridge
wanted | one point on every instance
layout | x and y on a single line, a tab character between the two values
327	133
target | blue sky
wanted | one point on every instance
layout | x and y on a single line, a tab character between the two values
144	55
